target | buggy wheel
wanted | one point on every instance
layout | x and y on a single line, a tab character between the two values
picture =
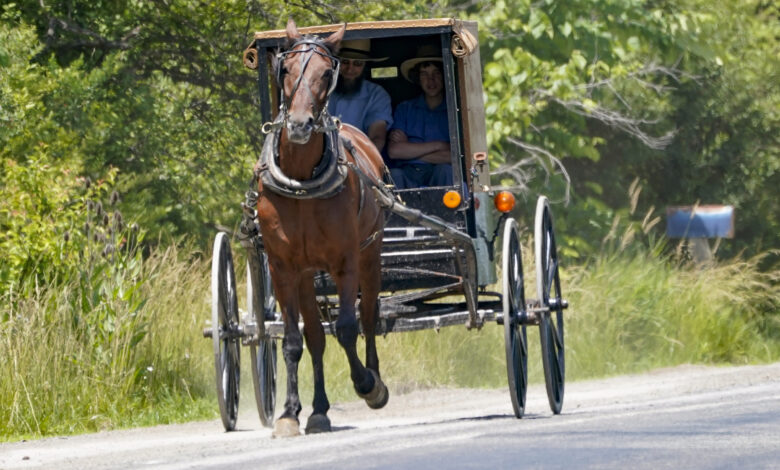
226	334
260	304
514	317
548	286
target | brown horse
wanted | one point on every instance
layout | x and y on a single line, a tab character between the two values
315	215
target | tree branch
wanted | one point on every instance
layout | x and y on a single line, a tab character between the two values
523	171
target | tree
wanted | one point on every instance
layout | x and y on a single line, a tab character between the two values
615	90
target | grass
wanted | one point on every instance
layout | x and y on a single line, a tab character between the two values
629	313
147	363
64	373
633	313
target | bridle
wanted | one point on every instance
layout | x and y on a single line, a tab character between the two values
322	120
329	177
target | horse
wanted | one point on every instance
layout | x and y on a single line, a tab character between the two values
316	215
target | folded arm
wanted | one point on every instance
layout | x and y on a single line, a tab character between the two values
399	148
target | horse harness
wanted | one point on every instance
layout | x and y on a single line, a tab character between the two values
328	177
331	172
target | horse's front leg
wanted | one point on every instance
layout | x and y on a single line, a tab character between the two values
315	341
366	382
292	350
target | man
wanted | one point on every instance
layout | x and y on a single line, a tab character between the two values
419	142
357	101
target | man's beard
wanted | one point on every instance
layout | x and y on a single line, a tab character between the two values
348	87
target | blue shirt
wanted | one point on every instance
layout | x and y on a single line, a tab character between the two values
422	124
369	104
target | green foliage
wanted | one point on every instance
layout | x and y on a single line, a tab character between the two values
47	211
111	358
150	99
175	145
680	95
726	149
73	282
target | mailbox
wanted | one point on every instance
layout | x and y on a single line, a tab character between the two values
709	221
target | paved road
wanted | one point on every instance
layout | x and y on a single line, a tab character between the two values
686	417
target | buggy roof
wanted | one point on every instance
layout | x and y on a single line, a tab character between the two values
364	26
379	29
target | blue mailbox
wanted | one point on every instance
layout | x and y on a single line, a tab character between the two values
708	221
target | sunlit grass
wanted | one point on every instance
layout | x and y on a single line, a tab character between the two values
62	376
635	312
629	313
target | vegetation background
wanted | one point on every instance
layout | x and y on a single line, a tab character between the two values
128	129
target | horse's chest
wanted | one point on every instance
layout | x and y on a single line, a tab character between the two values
310	233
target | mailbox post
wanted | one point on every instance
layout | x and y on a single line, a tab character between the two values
698	224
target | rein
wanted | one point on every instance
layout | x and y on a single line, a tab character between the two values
330	174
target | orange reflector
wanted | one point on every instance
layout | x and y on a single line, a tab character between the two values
451	199
504	201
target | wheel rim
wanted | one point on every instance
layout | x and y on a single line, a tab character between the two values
513	303
225	327
549	293
263	354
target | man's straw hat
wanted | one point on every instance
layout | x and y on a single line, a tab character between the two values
359	49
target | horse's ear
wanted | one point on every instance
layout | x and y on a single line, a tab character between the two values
292	32
334	40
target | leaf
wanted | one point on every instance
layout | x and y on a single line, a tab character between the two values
566	29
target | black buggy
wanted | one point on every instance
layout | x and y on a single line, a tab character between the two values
439	243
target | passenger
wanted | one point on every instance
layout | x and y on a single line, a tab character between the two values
419	141
357	101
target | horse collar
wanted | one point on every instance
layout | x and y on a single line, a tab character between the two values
327	177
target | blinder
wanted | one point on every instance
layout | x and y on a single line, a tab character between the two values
314	46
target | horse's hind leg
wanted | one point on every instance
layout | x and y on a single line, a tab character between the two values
367	383
315	341
370	284
292	350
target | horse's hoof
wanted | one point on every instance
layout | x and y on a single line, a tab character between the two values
286	427
378	396
317	423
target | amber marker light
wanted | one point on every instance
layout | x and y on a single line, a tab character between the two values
504	201
451	199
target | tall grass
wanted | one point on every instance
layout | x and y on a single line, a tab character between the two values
143	360
631	311
119	363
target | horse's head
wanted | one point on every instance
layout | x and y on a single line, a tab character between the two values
307	72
